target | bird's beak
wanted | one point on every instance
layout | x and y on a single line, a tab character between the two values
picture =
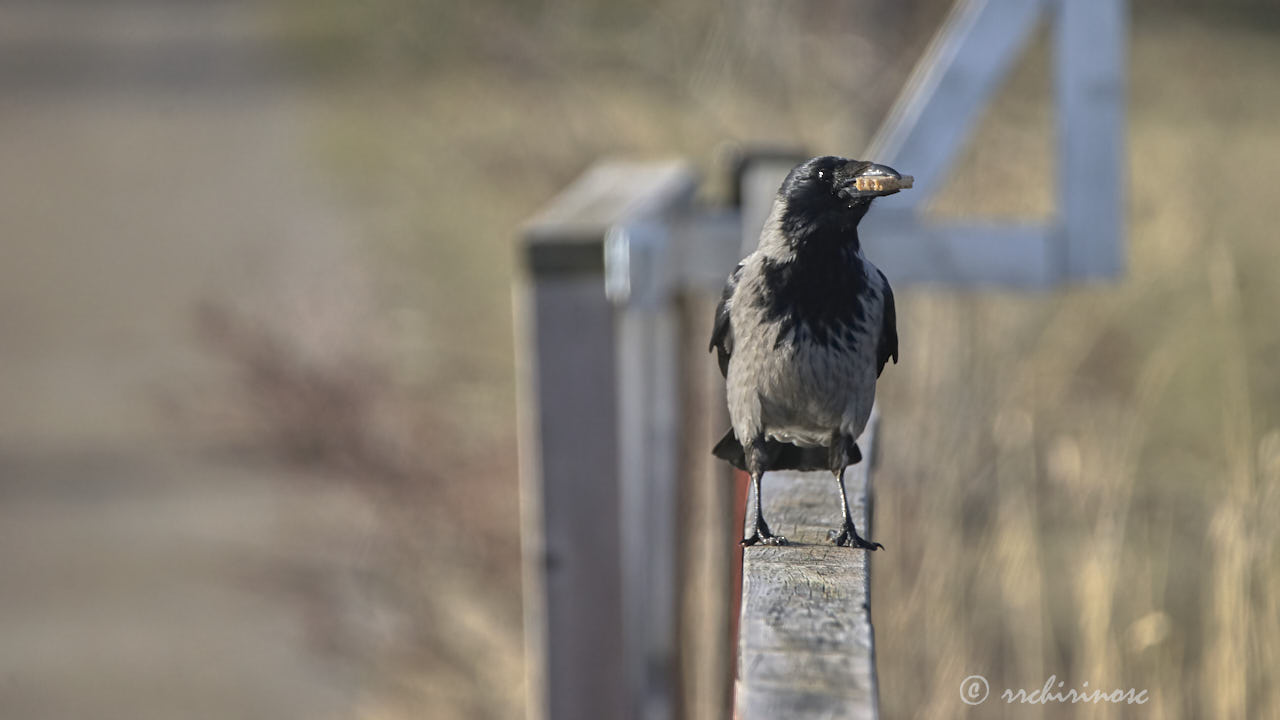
874	180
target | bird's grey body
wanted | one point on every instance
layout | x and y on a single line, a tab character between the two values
785	385
803	330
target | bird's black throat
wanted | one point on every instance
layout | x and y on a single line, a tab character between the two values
819	291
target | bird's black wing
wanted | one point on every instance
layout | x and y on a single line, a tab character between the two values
721	330
888	347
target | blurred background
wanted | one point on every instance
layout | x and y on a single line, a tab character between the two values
257	415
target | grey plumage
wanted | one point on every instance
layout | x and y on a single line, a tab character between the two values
805	326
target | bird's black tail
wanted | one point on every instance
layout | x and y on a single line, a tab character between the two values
781	456
730	450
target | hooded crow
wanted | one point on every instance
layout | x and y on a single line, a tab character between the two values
804	328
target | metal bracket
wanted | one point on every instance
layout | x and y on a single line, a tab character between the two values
936	114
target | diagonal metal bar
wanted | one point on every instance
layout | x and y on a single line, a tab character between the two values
946	92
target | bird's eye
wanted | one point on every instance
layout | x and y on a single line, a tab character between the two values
822	174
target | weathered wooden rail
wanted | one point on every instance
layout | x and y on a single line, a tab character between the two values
805	642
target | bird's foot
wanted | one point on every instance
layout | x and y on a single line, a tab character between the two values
758	539
848	537
763	536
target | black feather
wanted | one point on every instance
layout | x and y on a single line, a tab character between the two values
888	347
781	455
721	329
822	291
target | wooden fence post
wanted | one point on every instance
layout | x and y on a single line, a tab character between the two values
583	496
569	493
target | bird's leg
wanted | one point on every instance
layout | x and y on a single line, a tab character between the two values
757	460
847	535
845	452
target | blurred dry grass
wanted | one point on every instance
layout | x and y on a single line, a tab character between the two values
1080	483
1097	467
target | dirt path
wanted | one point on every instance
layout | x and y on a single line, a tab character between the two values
150	158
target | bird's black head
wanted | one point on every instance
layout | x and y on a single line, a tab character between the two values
821	198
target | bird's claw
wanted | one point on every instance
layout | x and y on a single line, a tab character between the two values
757	539
762	536
846	536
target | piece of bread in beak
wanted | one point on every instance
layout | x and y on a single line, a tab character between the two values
883	183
